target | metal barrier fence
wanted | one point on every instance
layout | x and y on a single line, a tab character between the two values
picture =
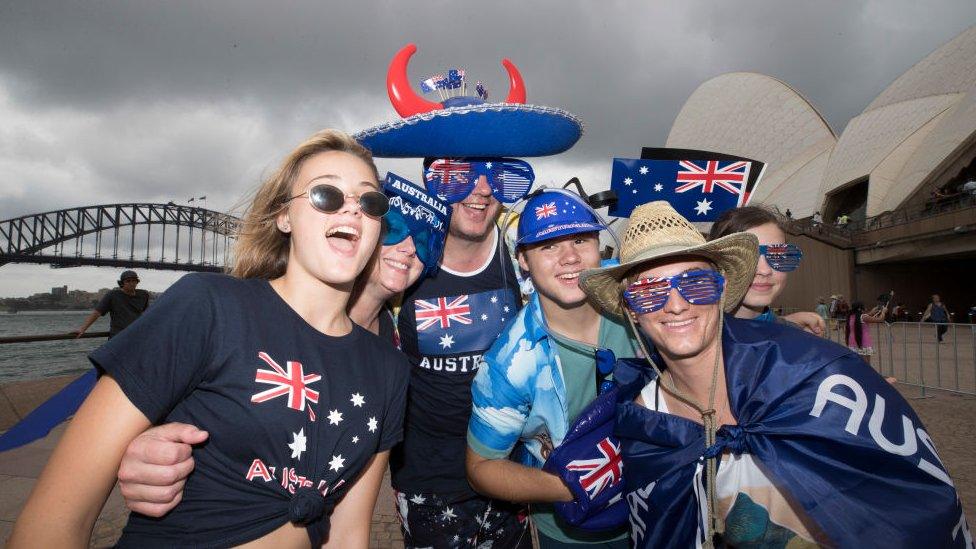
911	352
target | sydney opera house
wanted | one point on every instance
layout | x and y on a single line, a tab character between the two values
898	172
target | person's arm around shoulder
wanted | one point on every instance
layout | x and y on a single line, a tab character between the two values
155	466
809	322
70	492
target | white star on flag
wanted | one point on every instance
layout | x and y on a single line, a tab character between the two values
643	170
703	206
658	187
484	317
297	443
506	308
446	341
448	514
335	416
628	181
634	191
355	440
494	299
337	462
357	399
371	424
488	165
418	499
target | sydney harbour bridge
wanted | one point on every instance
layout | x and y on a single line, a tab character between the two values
139	235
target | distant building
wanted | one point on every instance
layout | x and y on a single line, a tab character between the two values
59	291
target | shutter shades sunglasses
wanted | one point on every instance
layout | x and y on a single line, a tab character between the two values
698	287
784	258
453	179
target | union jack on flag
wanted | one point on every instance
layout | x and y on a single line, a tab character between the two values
442	312
292	382
545	210
730	177
602	472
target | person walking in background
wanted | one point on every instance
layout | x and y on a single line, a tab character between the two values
857	333
124	305
822	309
936	312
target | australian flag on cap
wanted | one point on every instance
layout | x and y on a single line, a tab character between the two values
553	213
699	185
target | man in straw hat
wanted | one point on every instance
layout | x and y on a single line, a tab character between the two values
559	337
748	433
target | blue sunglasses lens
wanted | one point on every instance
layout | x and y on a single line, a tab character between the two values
696	287
784	258
450	180
396	228
510	180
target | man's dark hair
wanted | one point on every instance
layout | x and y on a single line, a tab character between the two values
742	219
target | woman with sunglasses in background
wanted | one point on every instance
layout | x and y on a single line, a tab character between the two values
298	405
413	240
777	259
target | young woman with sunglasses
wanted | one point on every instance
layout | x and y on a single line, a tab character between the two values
299	405
776	260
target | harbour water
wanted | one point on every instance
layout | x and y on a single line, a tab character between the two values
21	361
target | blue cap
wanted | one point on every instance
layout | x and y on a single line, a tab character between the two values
553	213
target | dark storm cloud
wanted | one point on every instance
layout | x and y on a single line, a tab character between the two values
138	100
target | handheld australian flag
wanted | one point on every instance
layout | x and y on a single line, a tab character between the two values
700	185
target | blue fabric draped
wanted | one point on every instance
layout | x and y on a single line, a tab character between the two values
841	442
50	414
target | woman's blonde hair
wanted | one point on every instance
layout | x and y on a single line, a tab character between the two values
262	250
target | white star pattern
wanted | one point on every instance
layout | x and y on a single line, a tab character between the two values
658	187
506	308
337	462
357	400
643	170
503	320
371	425
297	444
628	181
494	299
355	440
634	191
448	514
457	537
484	317
488	165
335	416
703	206
447	341
418	499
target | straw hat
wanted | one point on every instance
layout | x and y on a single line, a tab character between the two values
656	231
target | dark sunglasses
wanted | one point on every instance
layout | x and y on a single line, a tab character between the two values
329	198
453	179
782	257
698	287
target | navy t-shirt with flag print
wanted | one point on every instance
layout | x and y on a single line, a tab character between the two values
446	324
288	408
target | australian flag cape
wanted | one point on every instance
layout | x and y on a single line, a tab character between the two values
831	434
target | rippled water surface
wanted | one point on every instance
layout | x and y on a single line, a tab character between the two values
19	361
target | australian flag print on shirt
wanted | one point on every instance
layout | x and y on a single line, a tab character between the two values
451	325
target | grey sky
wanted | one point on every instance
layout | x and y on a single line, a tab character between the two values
104	102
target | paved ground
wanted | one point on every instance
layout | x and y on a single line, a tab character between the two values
948	417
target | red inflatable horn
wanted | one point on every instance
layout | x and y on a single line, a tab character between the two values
406	102
516	89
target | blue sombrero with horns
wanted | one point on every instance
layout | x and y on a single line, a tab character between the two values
466	126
